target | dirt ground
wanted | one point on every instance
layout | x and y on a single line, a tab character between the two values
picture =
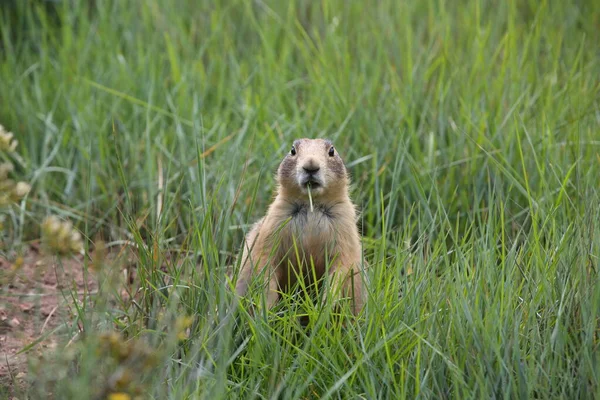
37	295
34	302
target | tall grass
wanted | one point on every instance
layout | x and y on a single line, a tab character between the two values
471	130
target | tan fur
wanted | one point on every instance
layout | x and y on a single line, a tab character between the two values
291	239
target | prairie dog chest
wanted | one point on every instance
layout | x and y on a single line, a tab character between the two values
313	232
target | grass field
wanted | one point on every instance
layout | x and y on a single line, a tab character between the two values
472	132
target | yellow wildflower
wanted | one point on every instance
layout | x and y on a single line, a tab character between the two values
60	237
181	326
20	190
5	169
7	143
119	396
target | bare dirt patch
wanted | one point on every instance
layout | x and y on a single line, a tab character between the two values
36	299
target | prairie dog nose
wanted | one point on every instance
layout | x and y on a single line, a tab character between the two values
311	167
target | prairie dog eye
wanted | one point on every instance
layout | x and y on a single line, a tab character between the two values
293	151
331	151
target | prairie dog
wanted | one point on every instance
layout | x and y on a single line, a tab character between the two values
293	242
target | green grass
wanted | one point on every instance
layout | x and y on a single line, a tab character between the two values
472	132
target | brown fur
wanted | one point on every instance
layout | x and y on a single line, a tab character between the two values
291	239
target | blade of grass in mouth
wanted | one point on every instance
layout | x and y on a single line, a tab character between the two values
310	198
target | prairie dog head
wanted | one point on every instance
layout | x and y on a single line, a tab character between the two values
315	163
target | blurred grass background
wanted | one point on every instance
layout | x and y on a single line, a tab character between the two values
471	130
